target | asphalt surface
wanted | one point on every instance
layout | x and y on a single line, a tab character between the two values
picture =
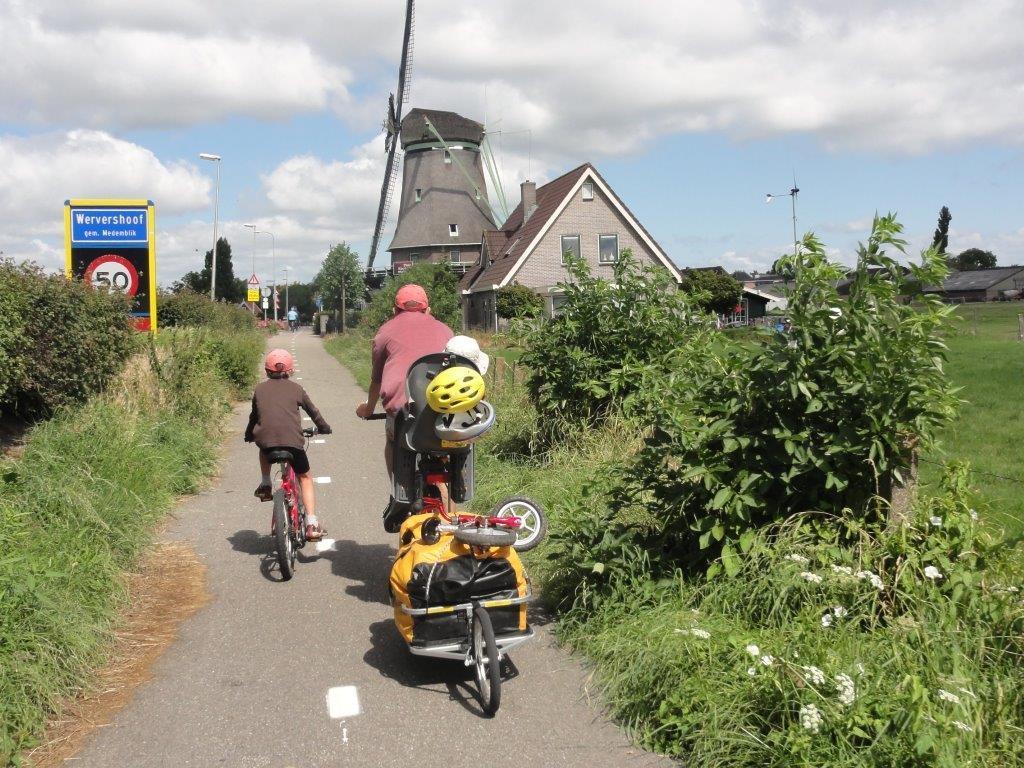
247	682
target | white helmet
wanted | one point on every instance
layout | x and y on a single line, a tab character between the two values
468	425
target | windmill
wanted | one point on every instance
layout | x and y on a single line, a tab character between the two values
444	206
392	129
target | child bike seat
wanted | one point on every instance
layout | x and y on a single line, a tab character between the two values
417	433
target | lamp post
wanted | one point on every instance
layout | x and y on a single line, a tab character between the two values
286	300
273	268
792	196
215	159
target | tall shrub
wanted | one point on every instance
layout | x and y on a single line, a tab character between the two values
61	340
823	419
589	359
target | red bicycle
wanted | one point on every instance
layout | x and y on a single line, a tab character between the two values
288	522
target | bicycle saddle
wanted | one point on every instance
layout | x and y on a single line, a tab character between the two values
275	457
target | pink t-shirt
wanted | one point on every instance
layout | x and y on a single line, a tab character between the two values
399	343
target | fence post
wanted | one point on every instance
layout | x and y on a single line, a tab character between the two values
1020	327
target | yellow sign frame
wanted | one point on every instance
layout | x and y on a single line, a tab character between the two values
90	202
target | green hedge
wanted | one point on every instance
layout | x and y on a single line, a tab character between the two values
61	341
79	505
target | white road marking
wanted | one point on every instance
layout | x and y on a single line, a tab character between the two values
322	480
342	702
324	545
319	442
298	378
306	418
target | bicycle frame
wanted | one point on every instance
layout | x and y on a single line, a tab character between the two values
292	493
434	505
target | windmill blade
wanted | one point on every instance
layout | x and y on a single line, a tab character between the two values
393	129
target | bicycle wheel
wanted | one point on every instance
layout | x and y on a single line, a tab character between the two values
535	522
283	536
486	662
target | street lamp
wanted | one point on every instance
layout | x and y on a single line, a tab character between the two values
215	159
273	268
792	196
253	228
286	281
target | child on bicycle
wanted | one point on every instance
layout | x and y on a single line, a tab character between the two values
274	424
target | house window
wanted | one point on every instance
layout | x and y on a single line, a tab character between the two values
570	244
455	256
414	257
453	230
608	252
588	190
419	196
448	157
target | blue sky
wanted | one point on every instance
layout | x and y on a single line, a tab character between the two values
691	110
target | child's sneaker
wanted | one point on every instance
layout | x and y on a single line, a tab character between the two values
264	492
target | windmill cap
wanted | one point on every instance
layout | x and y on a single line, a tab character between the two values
412	298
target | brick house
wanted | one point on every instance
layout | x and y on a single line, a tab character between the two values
578	212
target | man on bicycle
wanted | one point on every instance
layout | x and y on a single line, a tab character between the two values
409	335
293	318
274	425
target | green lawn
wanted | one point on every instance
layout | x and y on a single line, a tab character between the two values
987	361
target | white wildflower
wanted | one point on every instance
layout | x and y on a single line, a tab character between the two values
931	572
835	312
969	693
947	696
796	654
962	726
814	675
797	558
753	650
767	660
874	578
860	668
838	611
826	620
813	578
810	718
845	570
974	515
936	521
846	689
703	634
751	671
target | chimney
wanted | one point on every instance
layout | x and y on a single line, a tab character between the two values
529	193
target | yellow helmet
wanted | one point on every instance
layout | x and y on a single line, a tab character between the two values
455	390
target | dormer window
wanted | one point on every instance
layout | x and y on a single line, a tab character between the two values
453	230
448	157
419	195
588	190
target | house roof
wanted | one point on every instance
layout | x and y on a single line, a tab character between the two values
509	246
452	127
494	243
975	279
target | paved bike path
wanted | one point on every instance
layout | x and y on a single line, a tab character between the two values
247	681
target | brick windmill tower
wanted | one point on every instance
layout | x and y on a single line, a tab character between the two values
444	207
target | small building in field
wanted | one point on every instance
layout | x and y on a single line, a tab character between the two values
981	284
577	213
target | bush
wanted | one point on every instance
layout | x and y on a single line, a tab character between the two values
517	301
437	279
900	650
826	418
713	292
590	359
61	340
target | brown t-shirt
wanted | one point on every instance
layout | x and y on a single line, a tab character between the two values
274	421
399	343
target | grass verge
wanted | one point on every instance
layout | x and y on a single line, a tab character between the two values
79	506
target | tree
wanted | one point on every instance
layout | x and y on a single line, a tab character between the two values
340	272
973	258
516	301
712	291
228	288
783	266
437	279
941	239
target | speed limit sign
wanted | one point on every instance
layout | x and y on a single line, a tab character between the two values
113	272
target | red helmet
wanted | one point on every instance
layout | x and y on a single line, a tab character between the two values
278	361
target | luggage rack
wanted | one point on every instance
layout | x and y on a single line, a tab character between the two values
459	650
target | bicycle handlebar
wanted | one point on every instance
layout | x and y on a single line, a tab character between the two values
309	431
